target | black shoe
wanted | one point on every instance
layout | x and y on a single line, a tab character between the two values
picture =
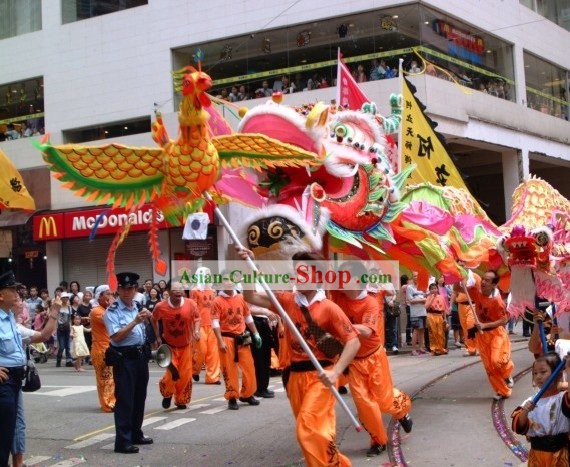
58	364
69	364
233	405
275	373
216	382
196	378
181	406
166	402
249	400
266	393
144	440
406	423
375	450
130	449
342	390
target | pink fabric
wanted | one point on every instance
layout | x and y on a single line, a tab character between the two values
429	217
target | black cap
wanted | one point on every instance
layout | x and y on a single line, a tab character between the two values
127	279
8	280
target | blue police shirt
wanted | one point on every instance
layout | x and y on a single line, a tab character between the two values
119	315
11	350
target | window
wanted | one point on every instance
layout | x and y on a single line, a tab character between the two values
76	10
22	108
557	11
108	130
308	52
19	17
546	86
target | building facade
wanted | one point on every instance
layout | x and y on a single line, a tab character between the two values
94	72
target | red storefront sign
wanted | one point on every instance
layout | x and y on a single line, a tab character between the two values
79	224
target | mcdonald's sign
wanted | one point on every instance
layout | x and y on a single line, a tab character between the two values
48	227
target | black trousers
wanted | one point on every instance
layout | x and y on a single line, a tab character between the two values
262	356
9	392
131	381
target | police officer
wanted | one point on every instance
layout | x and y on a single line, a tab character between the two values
124	320
12	361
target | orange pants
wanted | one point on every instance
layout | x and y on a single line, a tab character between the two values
373	392
313	407
230	370
495	349
206	350
182	388
436	329
548	459
105	381
467	322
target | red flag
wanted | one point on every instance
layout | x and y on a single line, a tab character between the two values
349	93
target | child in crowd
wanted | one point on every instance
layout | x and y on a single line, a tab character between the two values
79	348
436	323
545	424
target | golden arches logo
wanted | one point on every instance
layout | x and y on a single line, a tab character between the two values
48	227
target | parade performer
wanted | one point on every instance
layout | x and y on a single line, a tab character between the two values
230	315
436	310
124	320
180	323
206	349
103	373
491	337
545	424
369	375
311	400
466	319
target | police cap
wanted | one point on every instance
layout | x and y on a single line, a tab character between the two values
8	280
127	279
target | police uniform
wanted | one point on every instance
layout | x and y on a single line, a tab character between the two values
13	359
130	370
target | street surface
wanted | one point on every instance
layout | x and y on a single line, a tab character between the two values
452	413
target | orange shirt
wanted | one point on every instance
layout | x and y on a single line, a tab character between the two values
326	314
362	311
99	334
379	296
177	323
231	312
204	299
435	303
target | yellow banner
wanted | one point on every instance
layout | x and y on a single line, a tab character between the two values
421	146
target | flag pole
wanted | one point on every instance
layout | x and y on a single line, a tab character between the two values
338	78
286	318
401	129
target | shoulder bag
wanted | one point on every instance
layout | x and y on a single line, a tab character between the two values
326	342
31	376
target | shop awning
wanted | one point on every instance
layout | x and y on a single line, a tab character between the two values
12	218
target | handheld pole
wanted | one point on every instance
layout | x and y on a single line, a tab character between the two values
284	314
475	317
542	336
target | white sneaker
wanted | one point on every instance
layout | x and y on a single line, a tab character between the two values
458	344
395	349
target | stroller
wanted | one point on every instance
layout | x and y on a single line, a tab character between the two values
39	352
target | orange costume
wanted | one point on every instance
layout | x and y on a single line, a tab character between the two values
103	373
178	324
494	344
370	377
466	320
311	401
231	311
436	309
206	349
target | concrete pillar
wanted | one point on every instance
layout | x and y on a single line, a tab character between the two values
511	179
520	81
54	265
524	164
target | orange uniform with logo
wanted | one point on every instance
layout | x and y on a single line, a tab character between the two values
311	401
177	327
206	349
103	373
466	320
231	312
494	344
436	309
369	376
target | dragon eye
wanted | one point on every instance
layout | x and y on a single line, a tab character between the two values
341	130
